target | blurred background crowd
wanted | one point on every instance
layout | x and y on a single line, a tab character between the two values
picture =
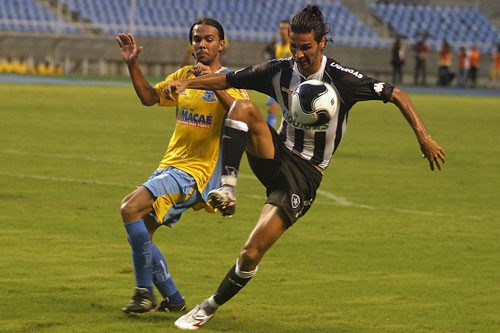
407	42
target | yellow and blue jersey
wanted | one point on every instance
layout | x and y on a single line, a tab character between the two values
282	50
194	146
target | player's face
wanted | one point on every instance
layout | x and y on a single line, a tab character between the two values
206	43
283	30
307	52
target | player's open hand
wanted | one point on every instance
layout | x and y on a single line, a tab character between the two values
174	88
433	153
128	46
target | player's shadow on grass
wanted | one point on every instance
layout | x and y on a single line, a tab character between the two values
152	317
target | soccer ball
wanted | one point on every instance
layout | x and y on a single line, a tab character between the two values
314	103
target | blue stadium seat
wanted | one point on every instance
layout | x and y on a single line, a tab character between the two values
459	25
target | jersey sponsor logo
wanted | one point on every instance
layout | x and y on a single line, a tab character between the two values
347	70
295	201
289	119
189	118
209	96
379	87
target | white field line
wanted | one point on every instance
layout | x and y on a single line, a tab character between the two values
342	201
333	198
73	157
68	180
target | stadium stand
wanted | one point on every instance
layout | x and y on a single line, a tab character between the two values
456	24
29	15
253	20
80	33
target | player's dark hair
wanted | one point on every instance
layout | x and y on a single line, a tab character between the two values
207	21
310	20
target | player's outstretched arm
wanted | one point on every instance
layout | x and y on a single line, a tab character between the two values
430	149
214	81
130	54
224	98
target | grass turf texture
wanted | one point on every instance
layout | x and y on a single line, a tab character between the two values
389	246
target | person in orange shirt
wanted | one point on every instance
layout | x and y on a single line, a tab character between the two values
463	67
495	68
445	56
474	56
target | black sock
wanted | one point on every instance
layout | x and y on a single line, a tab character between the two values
234	141
231	285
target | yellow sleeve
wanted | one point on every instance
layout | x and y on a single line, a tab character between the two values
237	93
177	75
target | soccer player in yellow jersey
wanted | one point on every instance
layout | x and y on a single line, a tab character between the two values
189	169
281	50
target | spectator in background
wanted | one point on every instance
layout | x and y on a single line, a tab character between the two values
269	52
445	58
44	68
58	69
463	67
77	68
14	67
495	68
397	61
474	56
21	66
421	54
7	66
281	50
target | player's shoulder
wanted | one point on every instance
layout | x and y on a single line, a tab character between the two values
184	72
344	72
224	70
282	62
276	64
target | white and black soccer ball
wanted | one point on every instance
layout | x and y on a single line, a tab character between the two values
314	103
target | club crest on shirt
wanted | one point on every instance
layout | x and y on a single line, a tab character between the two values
209	96
295	201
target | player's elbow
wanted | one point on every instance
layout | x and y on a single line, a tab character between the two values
149	100
399	96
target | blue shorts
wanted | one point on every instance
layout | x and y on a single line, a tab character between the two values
174	191
270	101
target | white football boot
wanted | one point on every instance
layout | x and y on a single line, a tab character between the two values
193	320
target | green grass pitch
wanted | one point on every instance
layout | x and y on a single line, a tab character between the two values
389	246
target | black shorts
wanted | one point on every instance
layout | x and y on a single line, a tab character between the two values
291	182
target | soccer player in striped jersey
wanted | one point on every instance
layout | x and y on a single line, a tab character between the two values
189	168
290	162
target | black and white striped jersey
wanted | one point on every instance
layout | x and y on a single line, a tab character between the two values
278	78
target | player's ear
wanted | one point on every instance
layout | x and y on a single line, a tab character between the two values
322	43
222	43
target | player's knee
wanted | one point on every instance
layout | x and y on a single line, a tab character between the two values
244	110
249	258
128	210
